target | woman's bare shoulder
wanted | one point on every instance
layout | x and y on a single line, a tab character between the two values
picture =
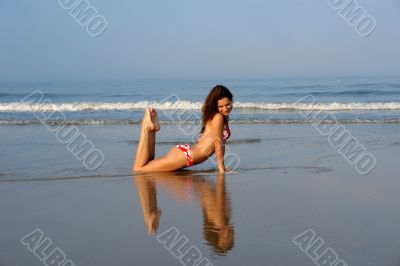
218	119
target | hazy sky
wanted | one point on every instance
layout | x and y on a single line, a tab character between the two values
196	39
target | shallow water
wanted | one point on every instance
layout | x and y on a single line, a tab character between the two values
36	152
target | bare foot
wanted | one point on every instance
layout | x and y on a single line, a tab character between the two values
154	119
147	123
153	221
150	120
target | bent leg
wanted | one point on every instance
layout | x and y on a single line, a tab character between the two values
152	145
146	147
143	153
172	161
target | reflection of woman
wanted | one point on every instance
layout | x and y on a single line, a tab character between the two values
147	193
214	200
218	231
214	133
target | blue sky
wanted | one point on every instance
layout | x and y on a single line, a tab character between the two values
184	39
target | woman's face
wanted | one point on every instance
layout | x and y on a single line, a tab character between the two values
224	106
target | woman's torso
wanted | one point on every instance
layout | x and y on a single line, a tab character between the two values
204	148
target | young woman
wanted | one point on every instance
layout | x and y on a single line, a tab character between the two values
214	133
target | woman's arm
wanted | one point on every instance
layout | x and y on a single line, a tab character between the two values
217	126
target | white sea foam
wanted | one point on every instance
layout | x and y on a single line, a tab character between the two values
187	105
95	106
190	122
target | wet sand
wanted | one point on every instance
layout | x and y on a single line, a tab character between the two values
289	180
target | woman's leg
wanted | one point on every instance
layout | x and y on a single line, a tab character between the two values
172	161
146	147
147	192
152	145
144	161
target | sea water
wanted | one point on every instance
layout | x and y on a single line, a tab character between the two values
351	100
268	124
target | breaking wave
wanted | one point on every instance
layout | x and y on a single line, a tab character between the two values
187	105
190	122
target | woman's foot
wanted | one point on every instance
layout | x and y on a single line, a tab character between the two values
150	120
154	119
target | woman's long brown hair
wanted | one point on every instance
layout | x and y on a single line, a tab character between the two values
210	105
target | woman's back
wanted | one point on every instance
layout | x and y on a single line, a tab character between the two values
205	147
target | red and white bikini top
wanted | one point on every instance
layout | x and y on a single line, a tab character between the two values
226	133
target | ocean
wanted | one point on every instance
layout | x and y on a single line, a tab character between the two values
272	101
291	177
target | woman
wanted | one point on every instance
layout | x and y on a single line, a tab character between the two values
214	133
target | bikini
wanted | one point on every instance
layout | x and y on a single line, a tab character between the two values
186	148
